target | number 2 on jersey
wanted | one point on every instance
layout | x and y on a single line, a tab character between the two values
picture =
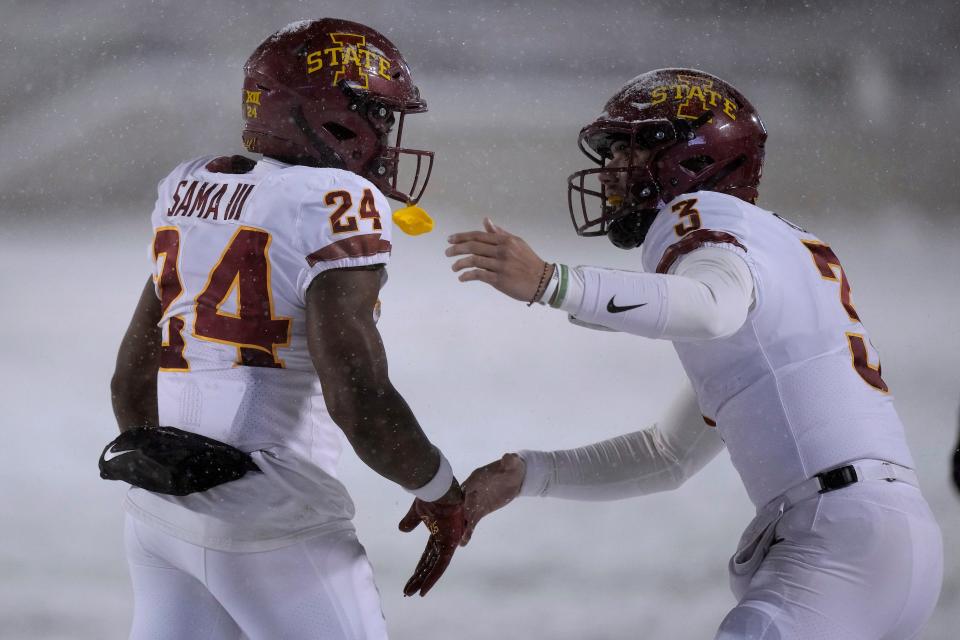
243	271
826	260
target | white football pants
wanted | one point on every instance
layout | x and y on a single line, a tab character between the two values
319	587
861	563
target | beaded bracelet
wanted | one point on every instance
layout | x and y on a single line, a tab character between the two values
540	287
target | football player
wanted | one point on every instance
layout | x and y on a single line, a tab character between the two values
782	371
258	330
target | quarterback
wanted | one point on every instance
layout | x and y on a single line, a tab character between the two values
782	372
256	341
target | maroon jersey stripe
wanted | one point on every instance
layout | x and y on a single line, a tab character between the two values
693	241
362	246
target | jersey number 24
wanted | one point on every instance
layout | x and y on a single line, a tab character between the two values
244	270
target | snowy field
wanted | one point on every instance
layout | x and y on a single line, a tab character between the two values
109	95
485	376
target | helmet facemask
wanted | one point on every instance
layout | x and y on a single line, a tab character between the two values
384	168
624	220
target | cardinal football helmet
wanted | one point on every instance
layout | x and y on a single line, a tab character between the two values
702	134
325	93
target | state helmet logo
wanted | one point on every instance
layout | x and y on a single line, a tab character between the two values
695	95
352	59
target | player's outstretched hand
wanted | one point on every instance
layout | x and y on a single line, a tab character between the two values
499	258
491	487
444	520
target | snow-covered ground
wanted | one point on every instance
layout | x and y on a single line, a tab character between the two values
485	376
104	97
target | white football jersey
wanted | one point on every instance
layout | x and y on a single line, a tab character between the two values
797	389
234	253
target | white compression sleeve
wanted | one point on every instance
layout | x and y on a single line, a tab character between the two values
707	296
656	459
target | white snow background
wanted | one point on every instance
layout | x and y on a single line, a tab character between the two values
859	152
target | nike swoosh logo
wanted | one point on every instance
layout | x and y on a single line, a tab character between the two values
110	455
613	308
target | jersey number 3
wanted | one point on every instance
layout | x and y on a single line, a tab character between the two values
242	273
826	261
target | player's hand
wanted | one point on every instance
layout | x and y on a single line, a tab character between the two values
491	487
502	260
444	520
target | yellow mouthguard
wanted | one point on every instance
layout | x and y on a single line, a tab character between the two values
413	220
614	201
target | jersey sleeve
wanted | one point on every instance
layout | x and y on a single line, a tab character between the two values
344	223
692	221
659	458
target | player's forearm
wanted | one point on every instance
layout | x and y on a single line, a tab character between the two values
622	467
375	418
349	357
134	399
656	459
380	426
708	297
385	434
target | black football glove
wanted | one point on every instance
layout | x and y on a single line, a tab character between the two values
445	522
172	461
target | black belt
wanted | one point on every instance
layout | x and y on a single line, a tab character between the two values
840	477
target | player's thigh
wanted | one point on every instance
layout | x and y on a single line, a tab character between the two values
321	587
750	620
853	564
169	603
925	578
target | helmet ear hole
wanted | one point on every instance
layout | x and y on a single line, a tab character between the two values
696	164
339	131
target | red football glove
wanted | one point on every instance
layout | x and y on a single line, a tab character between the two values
445	522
